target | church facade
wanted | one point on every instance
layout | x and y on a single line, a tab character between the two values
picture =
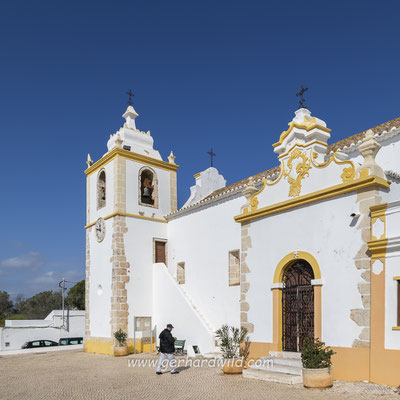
308	248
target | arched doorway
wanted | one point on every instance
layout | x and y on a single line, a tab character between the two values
297	305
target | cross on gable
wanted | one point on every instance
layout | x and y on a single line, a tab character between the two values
302	101
212	154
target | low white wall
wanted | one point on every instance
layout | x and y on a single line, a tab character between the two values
171	306
16	333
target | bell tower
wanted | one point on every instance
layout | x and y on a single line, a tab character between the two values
130	190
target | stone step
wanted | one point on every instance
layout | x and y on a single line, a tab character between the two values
292	362
285	369
272	376
285	354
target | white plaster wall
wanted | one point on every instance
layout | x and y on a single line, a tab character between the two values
132	189
139	252
171	306
100	274
323	230
109	207
17	336
202	240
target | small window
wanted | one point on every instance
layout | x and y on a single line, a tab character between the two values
148	187
7	344
36	344
101	189
180	273
234	268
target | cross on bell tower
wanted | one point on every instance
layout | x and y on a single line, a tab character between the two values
130	94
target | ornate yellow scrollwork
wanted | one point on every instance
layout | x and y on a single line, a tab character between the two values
349	173
254	203
302	169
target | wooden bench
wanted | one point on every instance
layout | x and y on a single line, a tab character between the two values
179	347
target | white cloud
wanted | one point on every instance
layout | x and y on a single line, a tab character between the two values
49	280
31	261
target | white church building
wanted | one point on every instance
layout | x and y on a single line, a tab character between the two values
308	248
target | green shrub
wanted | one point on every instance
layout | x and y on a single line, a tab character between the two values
315	354
230	339
120	336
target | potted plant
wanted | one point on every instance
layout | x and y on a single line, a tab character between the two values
244	351
317	364
120	349
230	339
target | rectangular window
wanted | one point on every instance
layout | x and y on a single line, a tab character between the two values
234	268
180	273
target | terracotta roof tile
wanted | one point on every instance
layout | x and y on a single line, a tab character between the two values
379	129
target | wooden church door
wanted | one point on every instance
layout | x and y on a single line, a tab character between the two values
297	306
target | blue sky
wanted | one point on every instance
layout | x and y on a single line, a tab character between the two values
205	73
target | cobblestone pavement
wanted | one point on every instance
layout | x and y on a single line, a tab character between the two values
78	375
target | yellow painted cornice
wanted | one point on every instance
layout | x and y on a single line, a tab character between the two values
362	183
396	328
377	248
378	210
307	125
124	214
129	155
396	278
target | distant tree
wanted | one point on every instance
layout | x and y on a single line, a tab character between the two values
40	305
76	296
6	304
19	298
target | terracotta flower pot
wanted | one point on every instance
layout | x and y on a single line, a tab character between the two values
120	351
317	377
233	366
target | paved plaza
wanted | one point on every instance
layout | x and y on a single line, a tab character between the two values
77	375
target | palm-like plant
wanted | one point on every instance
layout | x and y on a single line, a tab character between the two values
120	336
230	339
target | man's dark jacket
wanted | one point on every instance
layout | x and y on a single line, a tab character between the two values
166	342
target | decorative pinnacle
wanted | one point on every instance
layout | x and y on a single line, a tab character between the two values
171	158
89	160
118	141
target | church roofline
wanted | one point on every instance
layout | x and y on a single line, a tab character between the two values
350	144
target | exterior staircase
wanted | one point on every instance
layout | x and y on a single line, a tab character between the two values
279	366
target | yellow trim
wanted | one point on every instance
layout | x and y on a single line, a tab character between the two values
307	125
291	257
117	152
377	248
106	347
396	328
197	175
378	212
396	278
124	214
347	187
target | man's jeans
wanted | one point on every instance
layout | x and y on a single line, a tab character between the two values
171	361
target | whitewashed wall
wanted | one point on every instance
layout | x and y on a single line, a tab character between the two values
323	230
139	250
202	240
100	282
